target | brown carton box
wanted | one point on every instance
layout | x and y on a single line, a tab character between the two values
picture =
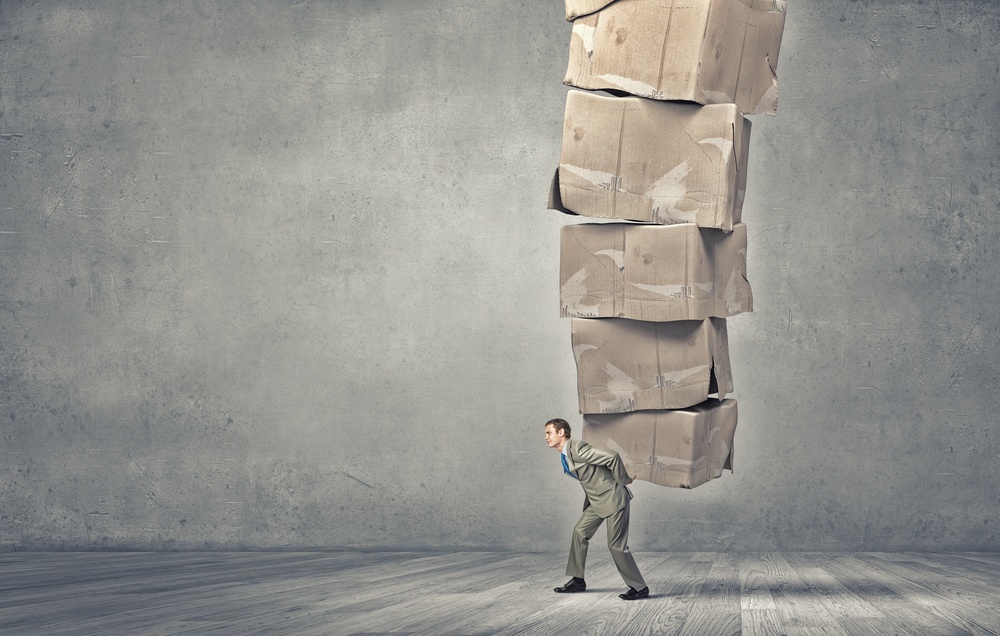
680	448
631	365
653	272
660	162
706	51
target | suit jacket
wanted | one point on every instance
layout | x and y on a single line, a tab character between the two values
602	475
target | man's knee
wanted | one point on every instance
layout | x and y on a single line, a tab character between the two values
618	550
585	528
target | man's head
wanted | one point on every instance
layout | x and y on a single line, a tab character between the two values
557	431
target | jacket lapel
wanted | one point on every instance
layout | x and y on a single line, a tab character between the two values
571	458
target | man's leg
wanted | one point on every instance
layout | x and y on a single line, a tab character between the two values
582	532
618	545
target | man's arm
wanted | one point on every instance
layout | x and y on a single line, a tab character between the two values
587	454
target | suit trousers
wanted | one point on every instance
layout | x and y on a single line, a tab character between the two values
617	544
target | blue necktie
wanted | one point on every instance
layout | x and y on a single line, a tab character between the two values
566	467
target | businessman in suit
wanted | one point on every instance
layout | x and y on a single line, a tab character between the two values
604	479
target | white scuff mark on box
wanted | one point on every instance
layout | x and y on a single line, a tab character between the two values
573	293
724	145
598	179
671	378
586	34
668	191
769	101
711	433
581	349
723	455
729	296
619	381
618	256
635	87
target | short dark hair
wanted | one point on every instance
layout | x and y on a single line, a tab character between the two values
559	424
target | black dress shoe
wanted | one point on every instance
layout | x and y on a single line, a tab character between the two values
574	585
632	594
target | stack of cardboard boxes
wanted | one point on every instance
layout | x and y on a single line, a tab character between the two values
665	153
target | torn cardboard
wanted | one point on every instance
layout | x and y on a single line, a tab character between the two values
631	365
706	51
659	162
652	272
679	448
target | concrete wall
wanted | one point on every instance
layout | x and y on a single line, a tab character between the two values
281	274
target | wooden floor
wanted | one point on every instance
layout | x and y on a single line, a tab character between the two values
343	592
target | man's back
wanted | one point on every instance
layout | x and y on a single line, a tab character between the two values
601	473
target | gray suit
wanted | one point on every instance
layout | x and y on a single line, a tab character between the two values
603	477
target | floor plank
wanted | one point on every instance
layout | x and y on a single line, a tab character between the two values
716	609
479	593
799	604
879	590
969	606
970	566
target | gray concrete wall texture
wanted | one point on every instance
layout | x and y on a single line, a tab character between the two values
281	274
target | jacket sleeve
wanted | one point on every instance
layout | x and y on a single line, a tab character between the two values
587	454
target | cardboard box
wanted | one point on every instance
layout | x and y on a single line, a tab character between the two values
631	365
681	448
659	162
577	8
706	51
653	272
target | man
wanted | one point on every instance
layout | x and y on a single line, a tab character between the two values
604	479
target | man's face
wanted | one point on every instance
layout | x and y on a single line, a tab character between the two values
552	437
